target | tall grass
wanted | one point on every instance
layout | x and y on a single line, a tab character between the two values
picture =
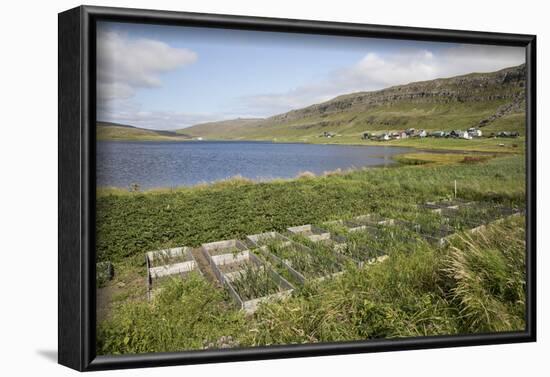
253	282
313	261
488	271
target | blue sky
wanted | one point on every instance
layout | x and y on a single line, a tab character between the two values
169	77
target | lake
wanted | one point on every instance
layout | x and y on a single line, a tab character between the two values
171	164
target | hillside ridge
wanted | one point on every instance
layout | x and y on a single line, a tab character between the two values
117	131
453	89
491	100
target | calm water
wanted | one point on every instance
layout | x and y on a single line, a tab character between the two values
170	164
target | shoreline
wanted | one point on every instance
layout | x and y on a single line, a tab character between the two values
407	159
479	145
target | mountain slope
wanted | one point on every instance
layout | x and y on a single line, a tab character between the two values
494	101
115	131
224	127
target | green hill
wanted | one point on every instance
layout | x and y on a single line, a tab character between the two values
224	127
115	131
492	101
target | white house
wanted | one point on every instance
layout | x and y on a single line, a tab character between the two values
465	135
439	134
475	132
410	131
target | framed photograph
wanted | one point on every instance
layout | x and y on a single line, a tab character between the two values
239	188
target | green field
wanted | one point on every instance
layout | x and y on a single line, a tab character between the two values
475	284
483	144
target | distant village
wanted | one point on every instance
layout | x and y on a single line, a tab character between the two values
469	134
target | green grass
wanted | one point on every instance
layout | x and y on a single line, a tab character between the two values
483	144
313	262
133	223
475	285
488	272
253	282
512	122
182	316
422	158
375	241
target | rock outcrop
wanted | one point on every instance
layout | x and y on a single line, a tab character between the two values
506	84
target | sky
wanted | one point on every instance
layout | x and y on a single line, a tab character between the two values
171	77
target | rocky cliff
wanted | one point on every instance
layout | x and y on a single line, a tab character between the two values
507	84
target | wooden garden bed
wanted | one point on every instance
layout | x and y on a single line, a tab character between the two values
249	281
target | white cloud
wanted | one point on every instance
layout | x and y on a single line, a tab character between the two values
377	71
125	64
129	113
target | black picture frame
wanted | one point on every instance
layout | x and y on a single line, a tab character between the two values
76	188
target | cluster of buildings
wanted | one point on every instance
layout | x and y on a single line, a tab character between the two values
505	134
469	134
459	134
411	132
405	134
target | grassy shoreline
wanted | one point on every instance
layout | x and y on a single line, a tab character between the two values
417	157
232	205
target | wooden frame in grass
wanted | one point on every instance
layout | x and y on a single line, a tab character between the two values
263	239
228	277
228	251
303	263
361	222
170	261
320	235
312	232
77	185
178	261
445	204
